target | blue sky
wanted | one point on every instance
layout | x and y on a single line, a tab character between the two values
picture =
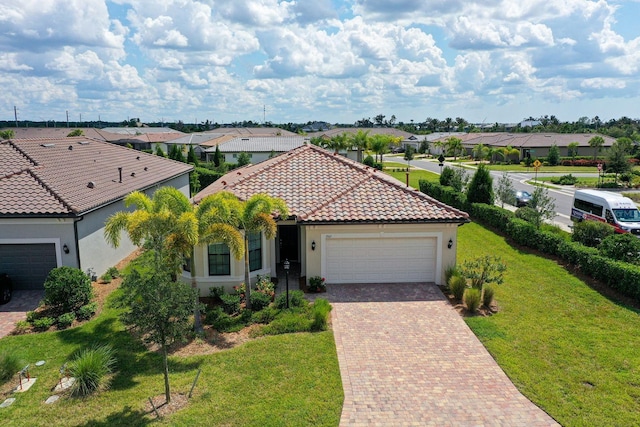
338	61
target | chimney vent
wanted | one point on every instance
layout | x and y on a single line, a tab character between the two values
91	184
70	147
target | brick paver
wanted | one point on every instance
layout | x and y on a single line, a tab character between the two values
16	309
408	359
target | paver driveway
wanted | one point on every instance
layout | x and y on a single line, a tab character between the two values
408	359
16	309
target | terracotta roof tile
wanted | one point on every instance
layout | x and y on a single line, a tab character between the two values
319	186
62	169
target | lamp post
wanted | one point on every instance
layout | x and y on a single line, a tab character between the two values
286	266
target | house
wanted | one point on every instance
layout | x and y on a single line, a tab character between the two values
348	223
56	196
258	148
534	144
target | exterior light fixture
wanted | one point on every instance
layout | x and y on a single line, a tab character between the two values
65	248
313	245
286	266
450	244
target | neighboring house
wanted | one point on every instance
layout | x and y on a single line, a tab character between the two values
317	127
535	144
244	131
56	195
140	138
406	138
348	223
258	148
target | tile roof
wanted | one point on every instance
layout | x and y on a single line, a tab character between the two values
529	140
321	187
261	144
261	131
52	176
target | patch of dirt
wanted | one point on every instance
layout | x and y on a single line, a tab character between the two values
214	341
162	408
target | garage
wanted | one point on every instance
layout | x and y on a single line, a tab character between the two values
28	264
376	259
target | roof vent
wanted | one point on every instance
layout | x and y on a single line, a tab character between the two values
146	168
83	142
224	182
238	173
91	184
70	147
133	174
48	145
138	158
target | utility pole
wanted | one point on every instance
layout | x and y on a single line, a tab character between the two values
67	118
15	115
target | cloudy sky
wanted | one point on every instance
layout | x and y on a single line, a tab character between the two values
333	60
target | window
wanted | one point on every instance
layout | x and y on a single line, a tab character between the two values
219	260
186	264
588	207
255	251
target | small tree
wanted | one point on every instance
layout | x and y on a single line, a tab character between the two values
572	149
480	189
159	151
217	157
554	155
408	155
505	192
596	143
243	159
543	205
75	132
7	134
191	156
160	310
617	161
483	270
424	147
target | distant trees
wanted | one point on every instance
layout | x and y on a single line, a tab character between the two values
553	158
572	149
360	141
454	146
596	143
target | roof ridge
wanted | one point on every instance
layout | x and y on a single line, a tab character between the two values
23	153
51	191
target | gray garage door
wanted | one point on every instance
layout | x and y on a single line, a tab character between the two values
28	265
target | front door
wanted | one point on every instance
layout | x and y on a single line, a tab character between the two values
288	241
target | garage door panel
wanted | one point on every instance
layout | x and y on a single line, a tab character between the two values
380	260
28	264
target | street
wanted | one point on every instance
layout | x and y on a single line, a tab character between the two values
563	197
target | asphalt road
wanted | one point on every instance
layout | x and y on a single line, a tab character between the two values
563	197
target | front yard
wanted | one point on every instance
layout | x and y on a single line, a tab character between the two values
570	350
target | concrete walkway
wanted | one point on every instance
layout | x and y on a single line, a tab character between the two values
16	309
408	359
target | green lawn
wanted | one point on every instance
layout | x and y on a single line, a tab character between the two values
414	176
291	380
543	169
567	348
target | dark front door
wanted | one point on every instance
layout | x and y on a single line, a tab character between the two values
288	241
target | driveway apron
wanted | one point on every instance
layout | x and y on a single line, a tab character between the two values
16	309
407	358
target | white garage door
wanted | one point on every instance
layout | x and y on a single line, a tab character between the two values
380	260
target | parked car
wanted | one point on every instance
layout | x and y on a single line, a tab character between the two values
522	198
6	288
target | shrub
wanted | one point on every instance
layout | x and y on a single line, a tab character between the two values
67	288
483	270
449	272
480	189
446	176
457	286
106	278
10	364
487	295
65	320
207	176
224	322
296	299
31	316
320	315
288	322
527	214
87	311
266	286
216	293
43	323
259	301
90	368
621	247
22	327
368	161
230	303
565	180
265	316
472	299
491	215
316	284
591	233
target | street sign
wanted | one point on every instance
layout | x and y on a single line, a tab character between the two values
537	164
441	159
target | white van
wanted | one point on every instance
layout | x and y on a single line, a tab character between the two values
619	211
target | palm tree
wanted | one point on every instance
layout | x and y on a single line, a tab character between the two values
164	223
380	145
480	151
360	140
254	215
596	143
454	145
338	142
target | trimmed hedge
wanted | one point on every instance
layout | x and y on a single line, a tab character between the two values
207	176
621	276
